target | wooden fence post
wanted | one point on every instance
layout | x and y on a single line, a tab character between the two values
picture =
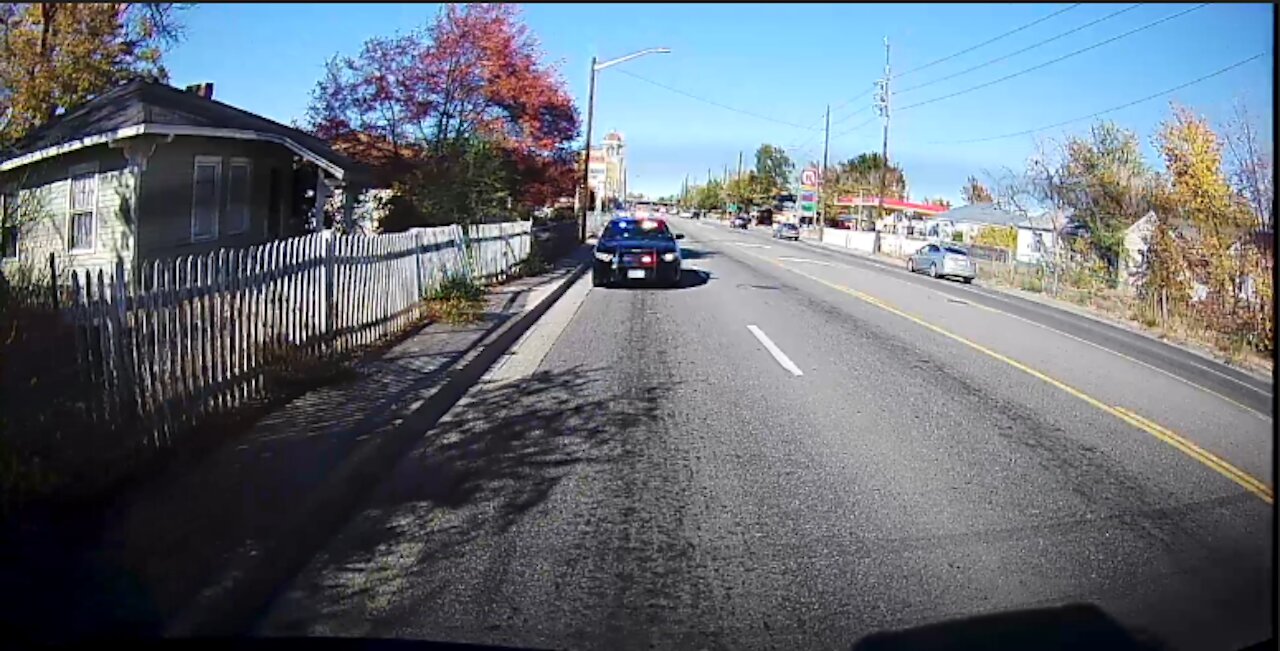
330	289
53	281
417	260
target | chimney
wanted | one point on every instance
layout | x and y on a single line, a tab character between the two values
204	89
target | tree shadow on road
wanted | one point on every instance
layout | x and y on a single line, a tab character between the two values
494	458
1075	626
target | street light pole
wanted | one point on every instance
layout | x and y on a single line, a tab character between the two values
586	156
586	147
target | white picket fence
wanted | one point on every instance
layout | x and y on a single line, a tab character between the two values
193	336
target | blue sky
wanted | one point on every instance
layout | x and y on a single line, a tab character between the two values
787	62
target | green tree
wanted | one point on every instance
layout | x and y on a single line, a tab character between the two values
1103	181
860	175
707	197
750	190
774	167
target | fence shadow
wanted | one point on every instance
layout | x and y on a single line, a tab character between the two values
1071	627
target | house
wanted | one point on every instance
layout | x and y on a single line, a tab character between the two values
147	171
967	220
1037	238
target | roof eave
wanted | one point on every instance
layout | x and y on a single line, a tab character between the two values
175	130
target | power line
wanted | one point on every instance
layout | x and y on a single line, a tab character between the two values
846	118
811	137
715	103
859	126
1025	49
989	41
1053	61
851	100
1110	110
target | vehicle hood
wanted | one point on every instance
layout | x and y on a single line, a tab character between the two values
661	246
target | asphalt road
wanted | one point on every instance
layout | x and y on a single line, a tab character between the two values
799	450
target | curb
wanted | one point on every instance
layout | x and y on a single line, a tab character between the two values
233	609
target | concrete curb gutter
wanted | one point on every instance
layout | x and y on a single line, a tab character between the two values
233	607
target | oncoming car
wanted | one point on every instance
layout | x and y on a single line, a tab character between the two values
636	250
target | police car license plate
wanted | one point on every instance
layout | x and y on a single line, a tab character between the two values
635	273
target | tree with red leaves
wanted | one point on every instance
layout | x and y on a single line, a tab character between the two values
460	116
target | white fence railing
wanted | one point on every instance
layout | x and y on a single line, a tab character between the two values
194	336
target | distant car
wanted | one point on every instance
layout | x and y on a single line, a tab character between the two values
636	250
740	221
943	260
687	214
787	231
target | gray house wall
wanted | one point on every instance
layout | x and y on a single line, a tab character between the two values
165	195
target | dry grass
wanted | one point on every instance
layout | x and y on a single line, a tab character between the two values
1082	289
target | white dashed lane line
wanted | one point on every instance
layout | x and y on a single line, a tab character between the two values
777	353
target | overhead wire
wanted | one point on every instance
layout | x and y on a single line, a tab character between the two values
945	58
715	103
1023	50
1109	110
987	42
1056	60
855	128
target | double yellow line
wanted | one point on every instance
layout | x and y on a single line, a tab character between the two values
1178	442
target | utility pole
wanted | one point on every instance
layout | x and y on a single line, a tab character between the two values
822	179
882	105
739	164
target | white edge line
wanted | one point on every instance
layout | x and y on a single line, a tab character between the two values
777	353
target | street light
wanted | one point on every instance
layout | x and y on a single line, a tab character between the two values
591	104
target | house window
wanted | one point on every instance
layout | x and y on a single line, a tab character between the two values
238	197
83	205
205	182
8	228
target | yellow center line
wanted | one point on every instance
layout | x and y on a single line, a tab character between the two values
994	310
1178	442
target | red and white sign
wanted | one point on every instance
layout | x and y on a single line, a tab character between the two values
809	177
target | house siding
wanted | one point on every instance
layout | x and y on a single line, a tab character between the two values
166	193
43	190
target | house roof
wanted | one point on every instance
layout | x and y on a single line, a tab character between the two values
981	213
1041	222
145	103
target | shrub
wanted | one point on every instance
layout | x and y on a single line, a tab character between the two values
1000	237
458	300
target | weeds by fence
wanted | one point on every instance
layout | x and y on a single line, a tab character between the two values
179	342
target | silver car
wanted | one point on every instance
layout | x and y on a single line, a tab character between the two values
943	260
786	231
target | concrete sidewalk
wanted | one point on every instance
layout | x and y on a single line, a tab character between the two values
196	550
